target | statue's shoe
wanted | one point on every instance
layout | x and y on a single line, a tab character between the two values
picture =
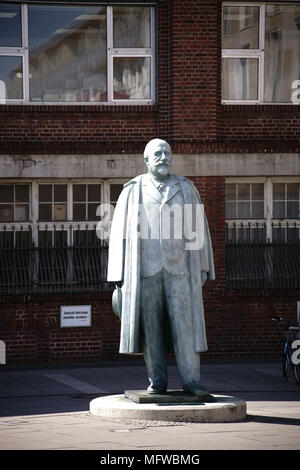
197	391
158	389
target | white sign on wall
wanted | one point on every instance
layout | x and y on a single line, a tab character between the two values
75	316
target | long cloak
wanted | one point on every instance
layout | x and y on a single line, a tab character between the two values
124	265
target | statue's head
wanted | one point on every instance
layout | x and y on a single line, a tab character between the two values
158	158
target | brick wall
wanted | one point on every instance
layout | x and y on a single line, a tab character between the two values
190	116
32	330
188	113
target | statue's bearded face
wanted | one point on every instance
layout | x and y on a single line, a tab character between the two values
159	159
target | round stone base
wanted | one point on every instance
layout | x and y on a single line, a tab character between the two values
223	410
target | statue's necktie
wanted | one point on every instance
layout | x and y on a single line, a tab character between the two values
162	189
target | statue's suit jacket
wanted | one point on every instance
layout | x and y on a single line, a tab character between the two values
162	244
124	264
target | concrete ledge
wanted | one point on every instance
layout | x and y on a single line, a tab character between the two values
223	410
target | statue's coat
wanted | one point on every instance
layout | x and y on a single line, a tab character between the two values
124	264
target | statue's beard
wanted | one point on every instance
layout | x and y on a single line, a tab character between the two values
161	170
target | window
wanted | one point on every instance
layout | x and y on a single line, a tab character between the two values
286	199
244	201
261	57
263	233
14	202
76	53
48	237
52	202
86	199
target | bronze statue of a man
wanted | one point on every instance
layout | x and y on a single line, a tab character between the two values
160	255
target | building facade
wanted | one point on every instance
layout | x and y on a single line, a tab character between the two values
83	87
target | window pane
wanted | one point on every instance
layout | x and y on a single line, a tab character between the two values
282	52
10	25
292	209
240	27
79	212
79	193
230	189
92	208
244	191
6	212
132	26
278	210
244	210
11	73
21	212
94	192
45	212
22	193
230	210
279	191
258	191
45	193
240	79
293	191
60	193
67	53
132	78
257	210
60	211
115	191
6	193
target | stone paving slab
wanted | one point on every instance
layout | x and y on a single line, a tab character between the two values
38	412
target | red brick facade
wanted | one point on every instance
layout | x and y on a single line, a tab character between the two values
190	116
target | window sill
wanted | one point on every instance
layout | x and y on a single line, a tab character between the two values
77	107
260	106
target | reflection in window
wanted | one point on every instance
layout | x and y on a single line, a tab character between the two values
10	25
240	27
67	53
240	79
131	27
132	78
11	73
282	52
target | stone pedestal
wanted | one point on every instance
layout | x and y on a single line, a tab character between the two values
172	406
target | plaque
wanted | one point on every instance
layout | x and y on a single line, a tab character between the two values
75	316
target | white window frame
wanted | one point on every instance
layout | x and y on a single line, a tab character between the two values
268	221
112	52
14	203
253	53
